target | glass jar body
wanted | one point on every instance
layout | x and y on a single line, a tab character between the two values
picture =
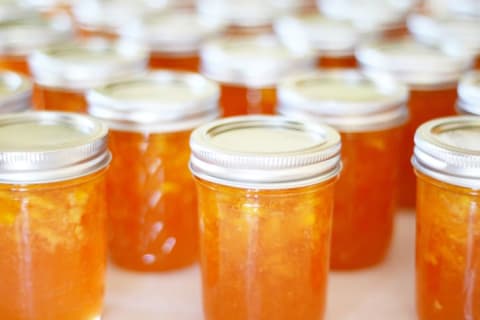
264	254
152	201
329	61
448	251
58	99
237	100
179	62
53	249
13	63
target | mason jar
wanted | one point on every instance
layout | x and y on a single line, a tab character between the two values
248	69
432	76
173	37
151	193
370	114
52	222
447	163
265	187
63	73
15	92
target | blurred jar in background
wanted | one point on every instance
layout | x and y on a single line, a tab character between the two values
249	17
333	40
20	37
15	92
50	7
249	69
174	38
64	72
151	194
466	8
454	33
468	102
384	17
432	76
448	218
52	218
265	188
13	9
370	114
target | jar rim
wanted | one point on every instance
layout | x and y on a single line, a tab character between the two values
18	92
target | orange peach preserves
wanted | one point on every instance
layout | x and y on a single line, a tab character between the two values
63	73
21	36
174	38
333	40
52	226
432	76
370	114
448	219
265	217
248	69
151	193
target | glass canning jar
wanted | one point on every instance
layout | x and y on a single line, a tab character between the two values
15	92
248	69
432	76
174	38
265	188
333	40
52	220
63	73
468	102
151	193
370	114
20	37
447	162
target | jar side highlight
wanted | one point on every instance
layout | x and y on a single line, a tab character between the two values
153	206
240	100
448	251
265	253
365	199
58	99
424	105
53	249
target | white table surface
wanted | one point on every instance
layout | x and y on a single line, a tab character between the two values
383	293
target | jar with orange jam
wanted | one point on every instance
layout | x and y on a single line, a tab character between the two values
370	114
266	190
468	102
174	38
15	92
452	32
249	68
432	76
20	37
151	193
52	218
63	73
447	162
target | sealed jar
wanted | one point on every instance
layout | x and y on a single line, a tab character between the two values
20	37
151	193
369	113
451	32
174	38
248	69
52	222
384	17
265	188
432	76
468	102
15	92
333	40
63	73
447	162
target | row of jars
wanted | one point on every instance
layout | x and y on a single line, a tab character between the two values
267	206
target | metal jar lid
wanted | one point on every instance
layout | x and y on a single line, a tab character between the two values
15	92
161	101
44	147
253	61
320	33
265	152
172	31
81	66
448	149
347	100
413	63
469	94
22	36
